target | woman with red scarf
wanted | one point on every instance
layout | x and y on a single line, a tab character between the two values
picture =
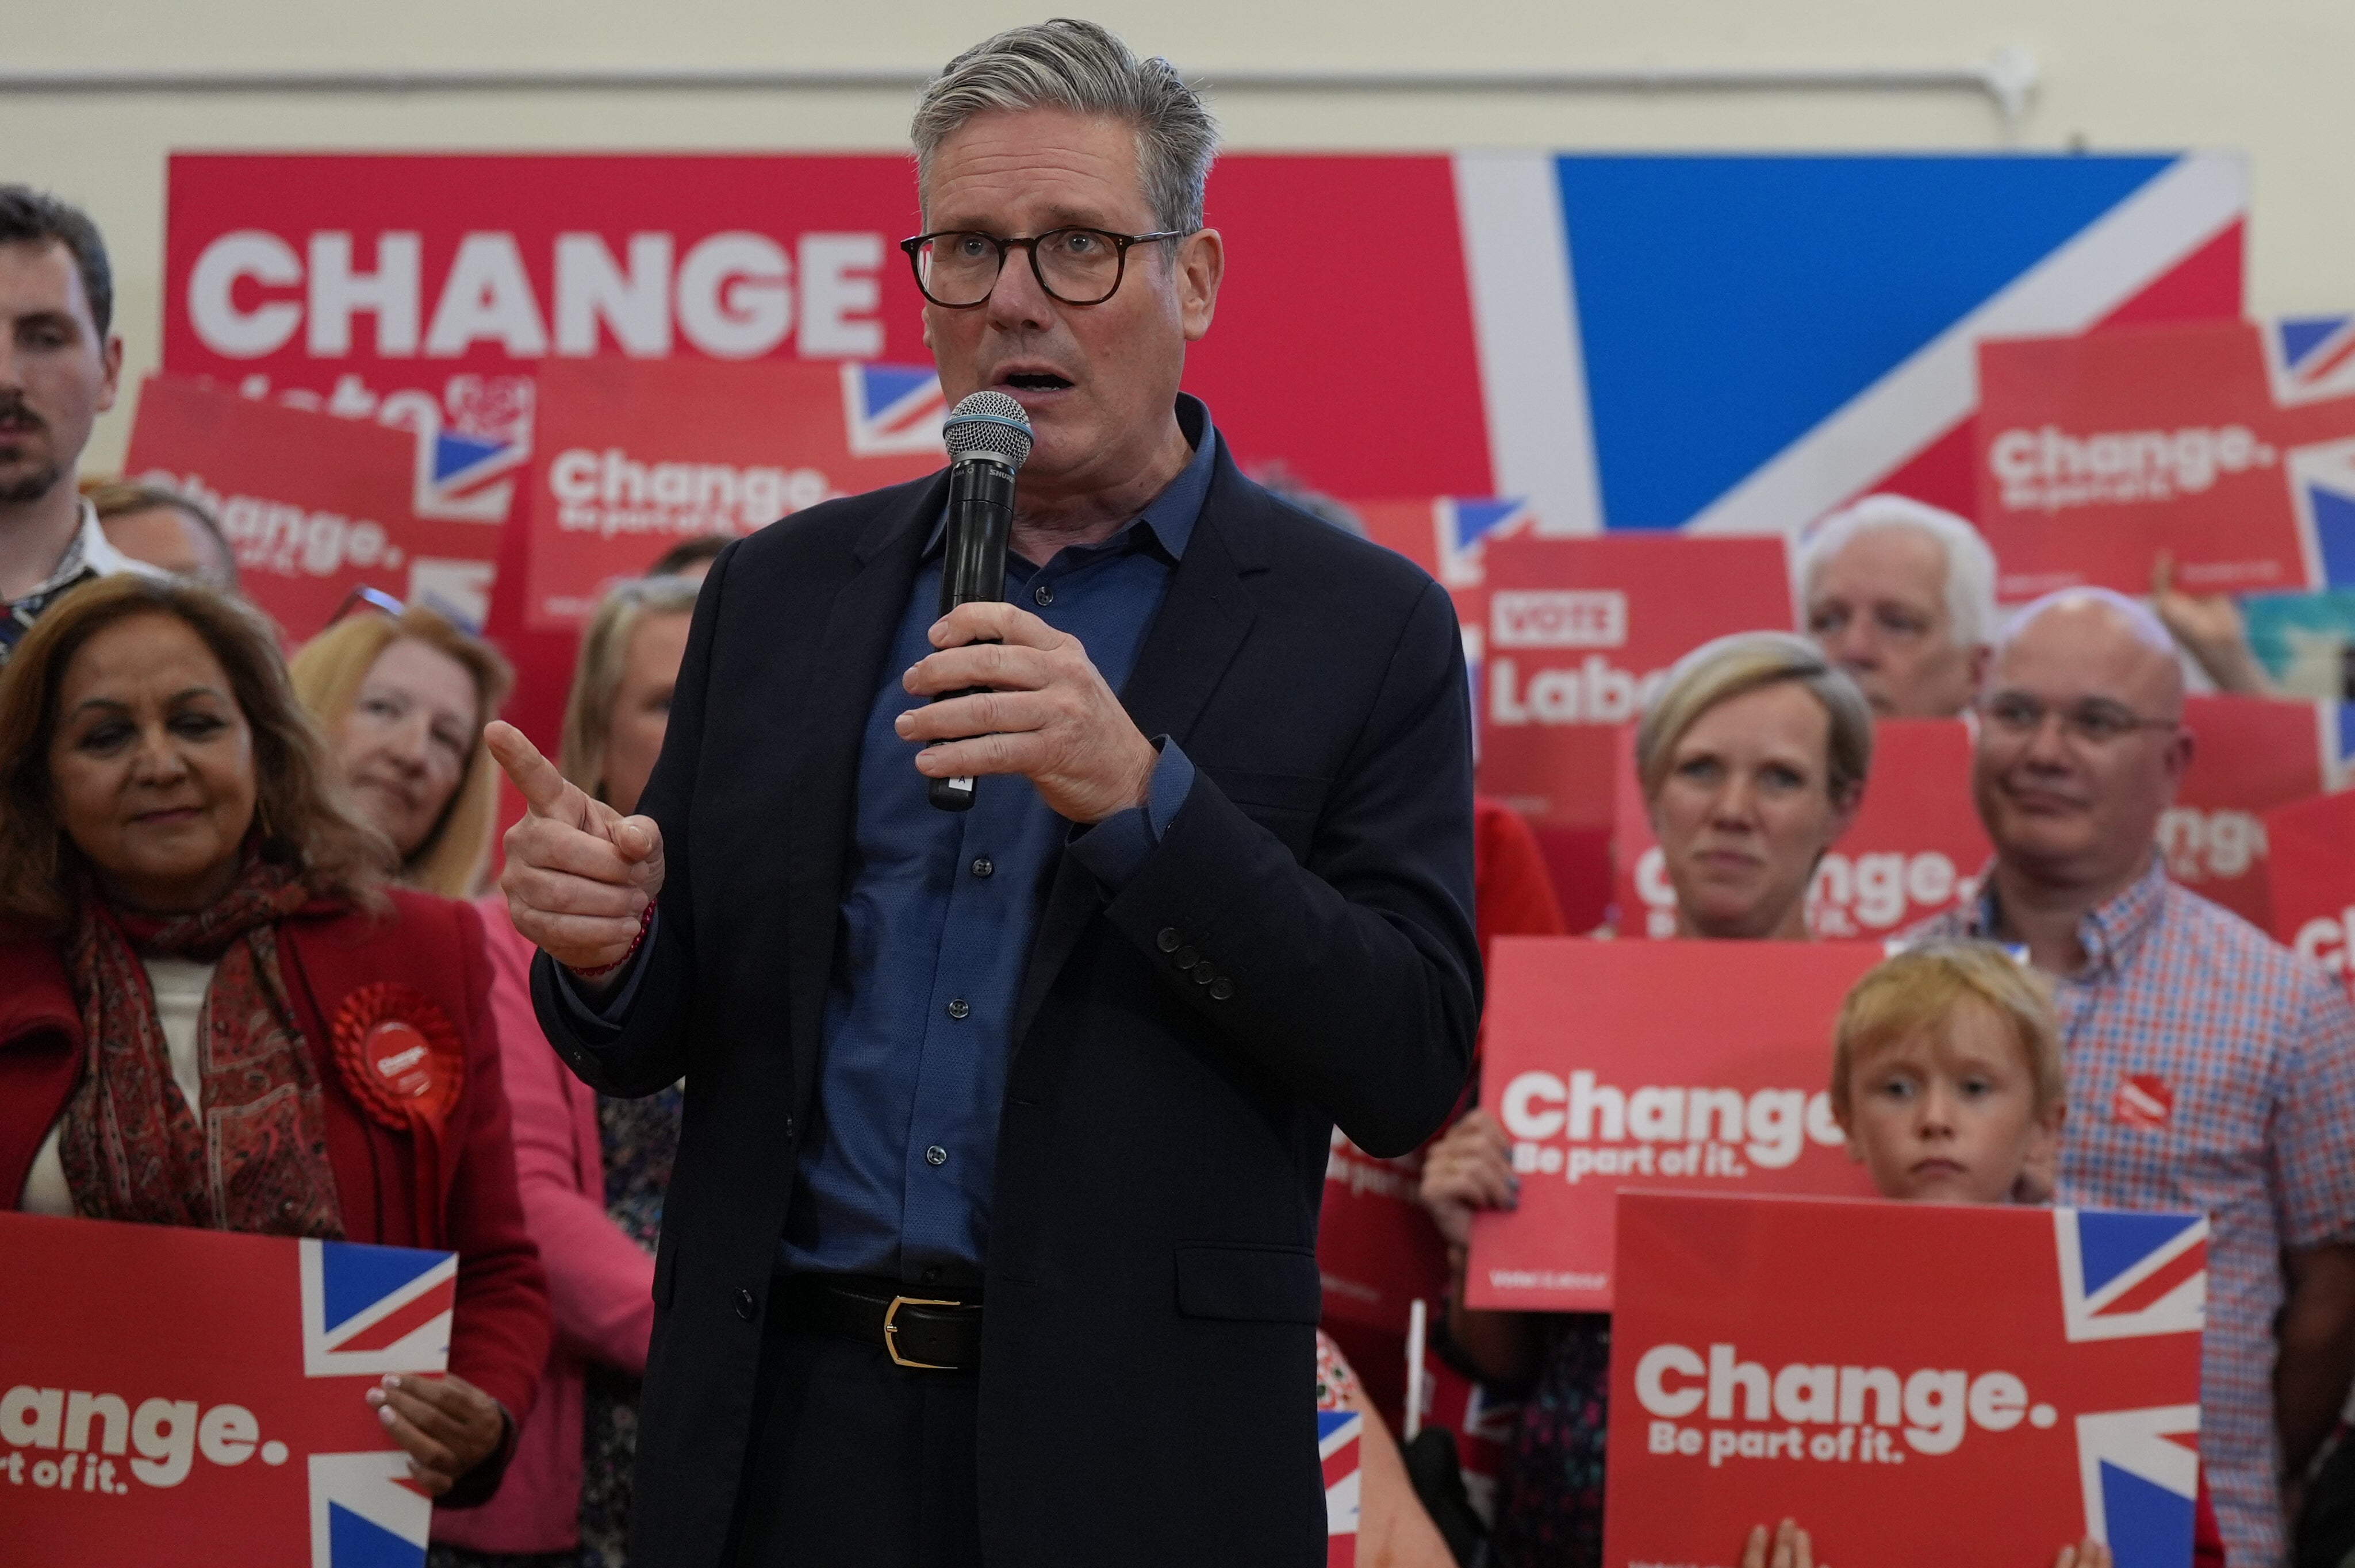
213	1013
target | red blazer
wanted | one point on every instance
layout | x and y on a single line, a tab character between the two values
499	1336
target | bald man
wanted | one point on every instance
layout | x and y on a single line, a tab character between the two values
2210	1069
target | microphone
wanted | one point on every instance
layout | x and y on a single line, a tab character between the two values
988	436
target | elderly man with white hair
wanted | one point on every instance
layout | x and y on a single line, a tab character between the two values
1902	595
2211	1070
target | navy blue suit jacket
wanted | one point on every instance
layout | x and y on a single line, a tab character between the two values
1151	1285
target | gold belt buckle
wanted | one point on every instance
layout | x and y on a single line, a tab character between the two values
891	1331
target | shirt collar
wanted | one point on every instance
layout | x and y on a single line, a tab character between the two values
87	554
1169	516
2110	931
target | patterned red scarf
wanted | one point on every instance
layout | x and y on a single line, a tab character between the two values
254	1155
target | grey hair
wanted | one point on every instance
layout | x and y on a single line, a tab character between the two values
1970	565
1082	68
1746	662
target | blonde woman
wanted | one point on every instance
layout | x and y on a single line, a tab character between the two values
592	1172
403	699
1752	757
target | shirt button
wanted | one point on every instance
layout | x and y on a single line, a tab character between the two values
958	1008
1042	596
937	1156
932	1273
1168	940
982	866
745	1306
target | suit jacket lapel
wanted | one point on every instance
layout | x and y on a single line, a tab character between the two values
839	687
1203	624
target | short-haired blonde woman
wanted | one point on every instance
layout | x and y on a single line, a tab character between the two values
1752	757
403	699
593	1172
200	960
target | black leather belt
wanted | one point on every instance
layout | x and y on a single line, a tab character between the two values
929	1332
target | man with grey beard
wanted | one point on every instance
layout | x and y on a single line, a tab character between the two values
58	369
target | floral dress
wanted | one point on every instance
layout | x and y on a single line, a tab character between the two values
641	1140
1552	1514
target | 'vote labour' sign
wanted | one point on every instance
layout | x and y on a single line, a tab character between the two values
1859	1366
1694	1066
205	1389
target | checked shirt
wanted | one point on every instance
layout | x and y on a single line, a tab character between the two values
2209	1068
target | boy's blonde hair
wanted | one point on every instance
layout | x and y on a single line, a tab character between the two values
1921	987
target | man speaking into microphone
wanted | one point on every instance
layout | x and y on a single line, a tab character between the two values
991	1237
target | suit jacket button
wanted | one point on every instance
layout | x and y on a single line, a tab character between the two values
745	1306
1222	989
1186	958
1168	940
789	1129
1204	974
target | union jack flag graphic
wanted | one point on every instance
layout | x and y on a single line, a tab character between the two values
889	411
1338	1434
2126	1275
366	1512
367	1310
2311	358
1462	525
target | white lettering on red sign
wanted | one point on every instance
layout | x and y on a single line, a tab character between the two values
731	295
612	492
1559	618
167	1434
1933	1409
1585	1128
2051	470
1595	691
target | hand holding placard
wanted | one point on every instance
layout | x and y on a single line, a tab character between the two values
580	875
445	1425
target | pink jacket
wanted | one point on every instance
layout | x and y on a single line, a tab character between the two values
600	1284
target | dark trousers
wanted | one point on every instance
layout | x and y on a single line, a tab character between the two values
856	1463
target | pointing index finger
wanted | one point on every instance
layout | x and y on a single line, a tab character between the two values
543	787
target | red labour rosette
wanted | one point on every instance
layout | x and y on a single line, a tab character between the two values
404	1062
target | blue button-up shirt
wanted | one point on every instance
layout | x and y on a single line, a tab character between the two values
899	1165
895	1174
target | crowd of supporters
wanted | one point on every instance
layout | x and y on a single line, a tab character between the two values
220	866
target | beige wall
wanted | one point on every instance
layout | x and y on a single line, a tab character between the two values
2260	76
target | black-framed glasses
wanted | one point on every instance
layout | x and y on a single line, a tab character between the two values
2093	722
957	267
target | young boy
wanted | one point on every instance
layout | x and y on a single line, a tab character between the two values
1947	1079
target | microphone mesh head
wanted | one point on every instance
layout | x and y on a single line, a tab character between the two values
988	422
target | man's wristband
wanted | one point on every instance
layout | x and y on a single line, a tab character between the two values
602	970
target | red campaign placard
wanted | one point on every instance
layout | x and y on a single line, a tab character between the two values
1861	1366
634	455
1915	848
2310	876
1375	1246
377	282
1578	632
205	1388
315	505
2095	453
1681	1065
2249	755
